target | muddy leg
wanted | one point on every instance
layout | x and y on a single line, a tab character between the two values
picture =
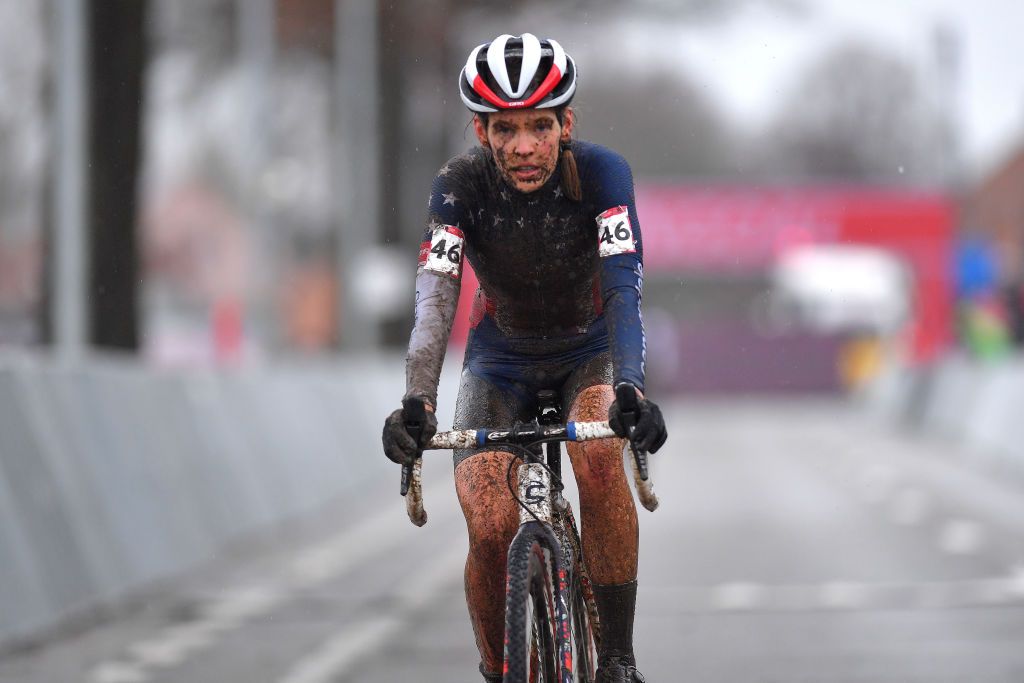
492	518
607	512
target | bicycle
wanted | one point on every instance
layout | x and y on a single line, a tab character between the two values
552	629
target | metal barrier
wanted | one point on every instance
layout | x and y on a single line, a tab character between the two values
114	475
975	405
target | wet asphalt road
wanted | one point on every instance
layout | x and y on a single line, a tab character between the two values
796	542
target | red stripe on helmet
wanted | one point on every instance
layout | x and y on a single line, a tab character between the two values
481	88
550	81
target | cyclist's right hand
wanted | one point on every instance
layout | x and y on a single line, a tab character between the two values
399	445
649	432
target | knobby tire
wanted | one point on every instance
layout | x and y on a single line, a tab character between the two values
536	623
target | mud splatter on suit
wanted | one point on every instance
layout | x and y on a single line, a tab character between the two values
560	284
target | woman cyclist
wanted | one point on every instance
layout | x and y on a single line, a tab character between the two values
550	227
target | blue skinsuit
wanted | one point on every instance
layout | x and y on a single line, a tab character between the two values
560	286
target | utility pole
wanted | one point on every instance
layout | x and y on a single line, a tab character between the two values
357	160
69	271
117	47
257	45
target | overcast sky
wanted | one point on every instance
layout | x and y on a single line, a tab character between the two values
756	55
745	62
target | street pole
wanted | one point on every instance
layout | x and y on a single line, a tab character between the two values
357	161
70	210
257	45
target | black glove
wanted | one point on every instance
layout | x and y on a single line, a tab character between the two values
649	434
399	445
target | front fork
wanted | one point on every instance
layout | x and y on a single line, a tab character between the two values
545	508
572	550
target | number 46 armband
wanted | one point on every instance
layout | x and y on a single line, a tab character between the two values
443	254
615	233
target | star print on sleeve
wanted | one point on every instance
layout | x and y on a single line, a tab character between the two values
548	220
450	198
558	191
504	195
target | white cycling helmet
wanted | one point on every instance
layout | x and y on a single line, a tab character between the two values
517	73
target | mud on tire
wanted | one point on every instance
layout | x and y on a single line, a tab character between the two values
536	628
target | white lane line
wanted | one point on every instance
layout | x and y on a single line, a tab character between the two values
116	672
364	637
844	595
1015	586
961	537
173	645
229	610
740	595
839	595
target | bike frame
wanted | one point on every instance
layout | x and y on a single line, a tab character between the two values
540	499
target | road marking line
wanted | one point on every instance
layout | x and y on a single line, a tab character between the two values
117	672
737	596
961	537
363	638
843	595
173	645
840	595
228	610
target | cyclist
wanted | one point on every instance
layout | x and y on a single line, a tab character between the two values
550	227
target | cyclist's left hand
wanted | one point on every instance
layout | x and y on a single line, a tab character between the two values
649	434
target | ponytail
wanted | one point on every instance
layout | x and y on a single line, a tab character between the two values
570	174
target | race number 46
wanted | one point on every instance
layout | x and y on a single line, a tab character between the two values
445	253
614	232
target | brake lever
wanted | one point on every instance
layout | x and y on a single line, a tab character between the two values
415	413
629	406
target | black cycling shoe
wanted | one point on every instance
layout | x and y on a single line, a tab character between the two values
617	669
490	677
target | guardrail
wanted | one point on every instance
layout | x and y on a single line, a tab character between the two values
973	404
114	475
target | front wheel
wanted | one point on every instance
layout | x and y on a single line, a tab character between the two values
584	639
534	612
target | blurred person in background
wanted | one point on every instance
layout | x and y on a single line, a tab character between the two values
549	225
1014	298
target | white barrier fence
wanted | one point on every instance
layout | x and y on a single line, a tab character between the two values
976	405
113	475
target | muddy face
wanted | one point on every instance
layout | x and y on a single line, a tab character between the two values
525	144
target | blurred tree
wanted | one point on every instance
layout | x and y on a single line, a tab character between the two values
117	58
24	65
661	121
859	114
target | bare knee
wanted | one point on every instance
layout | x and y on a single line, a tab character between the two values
490	511
597	464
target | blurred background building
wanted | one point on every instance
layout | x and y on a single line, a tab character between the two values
819	185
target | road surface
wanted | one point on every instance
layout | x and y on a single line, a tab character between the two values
797	541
